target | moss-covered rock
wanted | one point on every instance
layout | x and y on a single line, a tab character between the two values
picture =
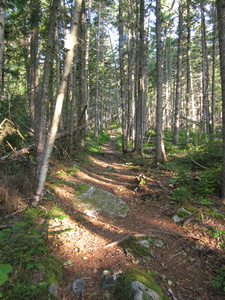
93	200
137	279
135	245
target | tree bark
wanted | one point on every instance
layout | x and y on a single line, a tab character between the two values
70	46
33	65
213	94
205	75
221	26
96	128
122	77
179	79
141	84
42	109
160	155
82	77
2	27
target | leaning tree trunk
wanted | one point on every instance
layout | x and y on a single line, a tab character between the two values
221	26
70	46
2	26
42	109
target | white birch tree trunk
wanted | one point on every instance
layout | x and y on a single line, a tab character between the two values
70	46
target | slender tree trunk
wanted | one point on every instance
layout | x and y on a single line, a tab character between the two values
188	79
33	67
71	44
88	36
205	79
73	115
122	76
131	72
82	79
96	129
213	96
221	26
45	86
141	83
179	79
160	151
2	27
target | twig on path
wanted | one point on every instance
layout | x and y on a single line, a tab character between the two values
5	226
195	162
177	254
12	214
137	235
172	294
174	234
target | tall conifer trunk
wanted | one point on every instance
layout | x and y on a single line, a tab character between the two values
141	84
2	27
179	79
122	76
160	151
221	27
205	75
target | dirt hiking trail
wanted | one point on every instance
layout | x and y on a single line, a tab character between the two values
185	264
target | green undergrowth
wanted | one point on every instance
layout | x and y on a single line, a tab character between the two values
24	249
131	244
93	144
197	172
147	278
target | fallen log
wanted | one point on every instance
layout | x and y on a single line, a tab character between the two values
16	153
140	235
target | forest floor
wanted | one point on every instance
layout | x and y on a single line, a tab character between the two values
186	265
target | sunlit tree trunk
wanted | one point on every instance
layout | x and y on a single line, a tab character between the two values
160	151
42	109
71	44
2	27
221	26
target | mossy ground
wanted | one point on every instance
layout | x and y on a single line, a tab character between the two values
123	290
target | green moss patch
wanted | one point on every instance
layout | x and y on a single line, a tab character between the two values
52	269
124	291
81	188
132	244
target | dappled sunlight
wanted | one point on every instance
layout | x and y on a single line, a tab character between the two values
89	243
